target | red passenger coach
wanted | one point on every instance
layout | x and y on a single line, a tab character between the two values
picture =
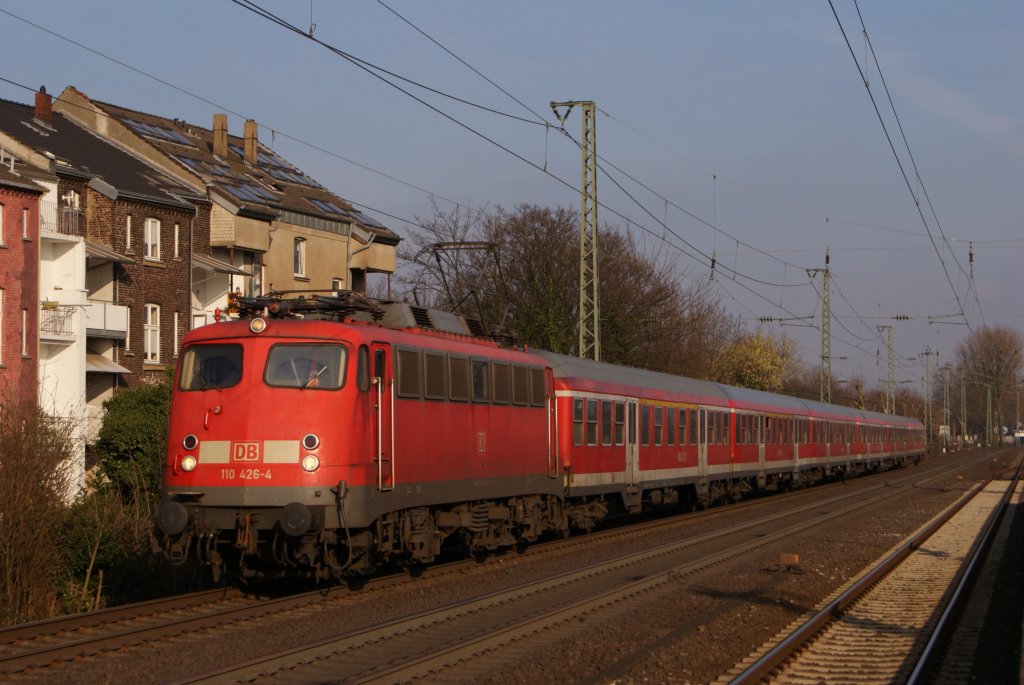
327	436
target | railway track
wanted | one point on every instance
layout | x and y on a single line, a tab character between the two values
39	645
481	634
888	625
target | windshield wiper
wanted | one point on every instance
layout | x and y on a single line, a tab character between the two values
313	378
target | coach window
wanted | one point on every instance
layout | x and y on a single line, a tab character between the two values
481	382
670	426
577	422
692	431
316	366
645	424
606	422
726	437
458	379
538	394
210	366
436	376
658	415
502	381
620	420
410	373
591	422
363	369
520	385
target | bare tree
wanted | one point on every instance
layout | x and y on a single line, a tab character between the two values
988	363
528	280
34	480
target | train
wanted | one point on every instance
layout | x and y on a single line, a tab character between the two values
328	435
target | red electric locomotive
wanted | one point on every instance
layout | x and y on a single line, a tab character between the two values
325	436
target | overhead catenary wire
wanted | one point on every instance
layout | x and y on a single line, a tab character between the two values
899	162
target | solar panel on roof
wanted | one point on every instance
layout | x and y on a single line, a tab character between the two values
367	220
325	206
248	192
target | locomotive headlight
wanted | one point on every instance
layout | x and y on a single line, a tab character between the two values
310	462
258	325
311	442
188	462
190	442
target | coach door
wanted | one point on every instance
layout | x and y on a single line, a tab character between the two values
549	384
702	450
632	447
384	416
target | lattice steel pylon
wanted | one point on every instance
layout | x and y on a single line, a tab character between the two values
826	334
890	379
589	307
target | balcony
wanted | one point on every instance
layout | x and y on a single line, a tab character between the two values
60	219
106	320
57	323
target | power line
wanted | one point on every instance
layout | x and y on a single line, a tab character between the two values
899	163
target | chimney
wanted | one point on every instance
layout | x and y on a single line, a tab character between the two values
44	106
220	135
251	141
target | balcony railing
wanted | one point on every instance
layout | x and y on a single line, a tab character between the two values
106	320
56	321
60	219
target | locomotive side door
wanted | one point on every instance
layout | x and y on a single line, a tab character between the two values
632	444
384	415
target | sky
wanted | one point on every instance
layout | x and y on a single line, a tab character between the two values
747	123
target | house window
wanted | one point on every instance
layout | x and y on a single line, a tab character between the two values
128	330
300	257
128	234
1	325
336	284
151	333
24	223
151	240
24	332
175	331
1	224
177	247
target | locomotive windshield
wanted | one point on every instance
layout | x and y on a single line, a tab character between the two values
320	366
210	366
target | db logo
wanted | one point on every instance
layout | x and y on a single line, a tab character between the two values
245	451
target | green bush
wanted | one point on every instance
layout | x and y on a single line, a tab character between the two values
131	445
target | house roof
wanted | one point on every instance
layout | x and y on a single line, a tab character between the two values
15	180
271	186
79	152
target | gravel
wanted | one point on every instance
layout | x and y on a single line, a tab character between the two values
713	622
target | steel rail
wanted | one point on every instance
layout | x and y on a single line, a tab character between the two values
762	669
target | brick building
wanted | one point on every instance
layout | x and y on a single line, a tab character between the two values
19	284
268	219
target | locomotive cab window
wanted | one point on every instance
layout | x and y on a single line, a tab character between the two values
363	369
302	365
210	366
